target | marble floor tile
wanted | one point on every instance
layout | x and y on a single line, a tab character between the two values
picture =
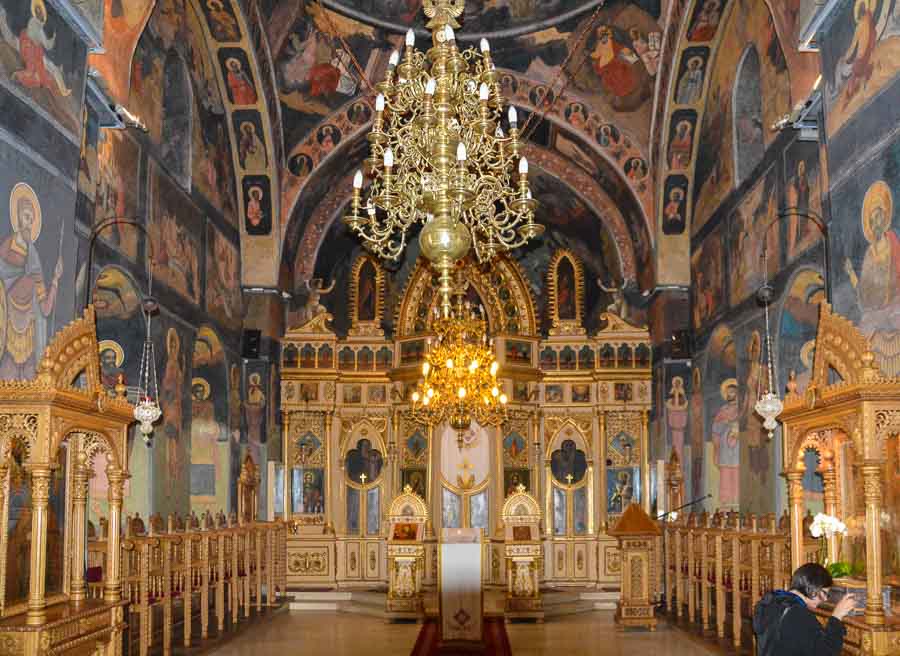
340	634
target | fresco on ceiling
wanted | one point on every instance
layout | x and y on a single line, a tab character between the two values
222	20
147	84
708	274
705	20
570	224
315	74
797	333
175	228
803	191
39	53
675	205
108	179
248	131
92	10
238	77
682	127
257	199
749	141
722	449
37	260
691	75
748	24
223	279
859	58
210	447
749	238
866	253
123	23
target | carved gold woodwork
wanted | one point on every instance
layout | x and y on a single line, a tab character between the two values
65	404
407	518
637	535
248	491
372	327
521	516
573	326
850	418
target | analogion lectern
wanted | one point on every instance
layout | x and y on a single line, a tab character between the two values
461	599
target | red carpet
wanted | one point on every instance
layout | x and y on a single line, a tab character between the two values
497	642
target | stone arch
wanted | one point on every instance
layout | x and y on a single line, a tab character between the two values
748	137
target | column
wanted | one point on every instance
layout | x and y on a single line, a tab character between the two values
331	481
601	465
645	461
795	503
112	590
40	501
872	485
829	479
80	479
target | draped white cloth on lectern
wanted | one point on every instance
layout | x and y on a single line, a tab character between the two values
460	585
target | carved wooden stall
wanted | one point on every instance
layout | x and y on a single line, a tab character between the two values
637	535
52	428
850	416
407	518
521	515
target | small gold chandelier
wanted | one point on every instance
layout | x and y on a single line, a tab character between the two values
439	156
460	375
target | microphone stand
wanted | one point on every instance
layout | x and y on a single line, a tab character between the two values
665	568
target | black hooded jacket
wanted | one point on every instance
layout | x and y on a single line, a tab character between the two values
784	626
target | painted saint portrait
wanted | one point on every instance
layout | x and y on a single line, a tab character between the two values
112	359
515	449
251	147
363	463
565	290
222	23
416	479
257	205
725	433
367	285
681	140
30	291
238	80
674	210
172	404
223	280
707	15
255	409
691	76
513	478
622	486
175	232
568	463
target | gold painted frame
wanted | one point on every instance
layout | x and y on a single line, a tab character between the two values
560	326
368	328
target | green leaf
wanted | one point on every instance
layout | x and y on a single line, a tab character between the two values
839	570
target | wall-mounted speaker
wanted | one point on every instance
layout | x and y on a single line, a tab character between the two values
250	341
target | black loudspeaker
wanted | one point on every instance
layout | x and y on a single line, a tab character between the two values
681	345
250	344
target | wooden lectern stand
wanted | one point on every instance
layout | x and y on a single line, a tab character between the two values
637	535
461	592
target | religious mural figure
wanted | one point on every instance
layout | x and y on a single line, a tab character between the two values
234	403
112	357
622	491
240	89
857	61
565	290
365	303
568	463
613	62
647	48
673	213
681	146
677	415
222	24
364	461
315	290
27	301
693	477
254	211
690	86
798	195
706	22
255	408
877	284
726	446
172	404
205	433
251	150
34	45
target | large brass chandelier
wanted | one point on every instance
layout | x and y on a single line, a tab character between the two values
460	375
439	157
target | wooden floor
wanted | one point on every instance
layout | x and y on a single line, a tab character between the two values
336	634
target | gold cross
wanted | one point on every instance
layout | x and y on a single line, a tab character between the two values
569	478
362	477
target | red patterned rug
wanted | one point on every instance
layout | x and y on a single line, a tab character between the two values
495	638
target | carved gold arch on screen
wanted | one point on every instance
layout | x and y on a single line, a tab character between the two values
366	327
373	429
560	326
503	272
567	428
408	506
520	508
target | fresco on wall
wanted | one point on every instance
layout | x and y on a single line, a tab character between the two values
681	139
802	190
705	21
708	274
224	302
39	57
222	21
722	430
175	233
146	90
123	23
859	57
691	75
257	201
238	76
797	333
210	447
748	24
747	241
108	177
749	140
256	400
756	450
675	209
36	261
248	131
172	435
693	472
866	251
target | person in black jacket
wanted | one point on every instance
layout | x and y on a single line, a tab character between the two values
785	625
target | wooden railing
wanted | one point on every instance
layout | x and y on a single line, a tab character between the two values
718	566
191	575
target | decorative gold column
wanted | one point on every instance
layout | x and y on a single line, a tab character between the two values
112	589
795	503
830	497
40	501
871	471
604	519
330	483
80	478
645	461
